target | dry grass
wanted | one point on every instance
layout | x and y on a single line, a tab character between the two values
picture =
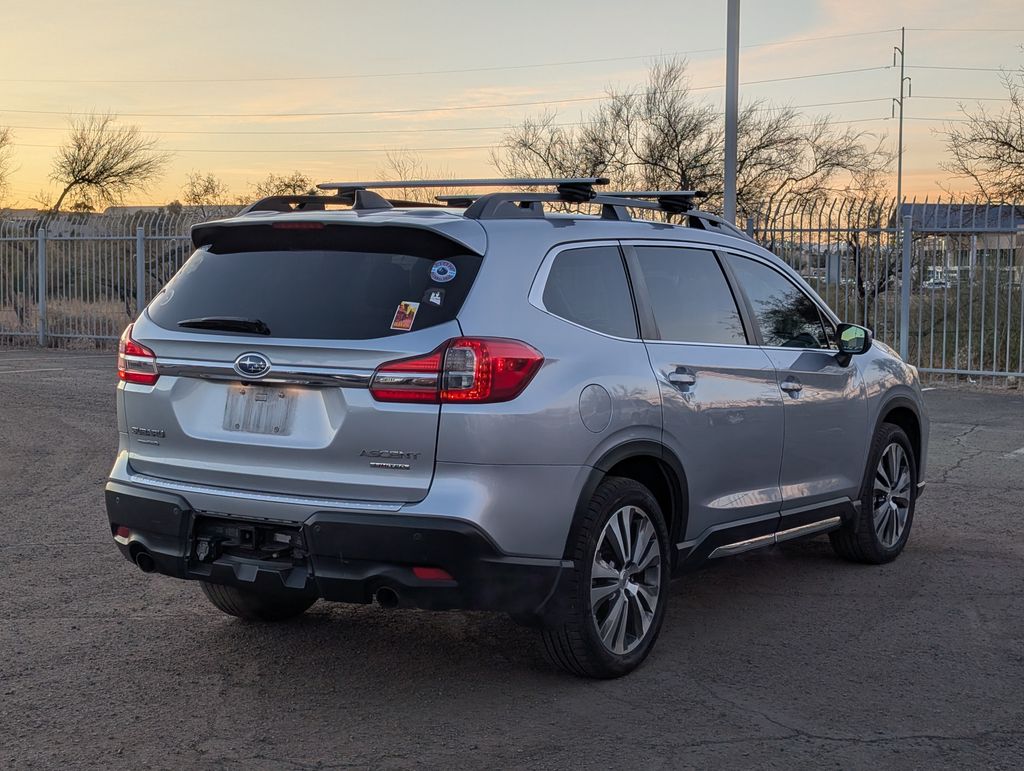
70	324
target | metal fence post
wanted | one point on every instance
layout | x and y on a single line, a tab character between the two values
41	283
905	279
750	226
140	269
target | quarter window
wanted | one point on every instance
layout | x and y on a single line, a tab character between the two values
690	297
588	286
786	315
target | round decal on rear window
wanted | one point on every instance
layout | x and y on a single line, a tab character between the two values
442	271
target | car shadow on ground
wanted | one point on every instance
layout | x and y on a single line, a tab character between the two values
367	651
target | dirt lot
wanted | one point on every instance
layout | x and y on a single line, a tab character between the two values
785	658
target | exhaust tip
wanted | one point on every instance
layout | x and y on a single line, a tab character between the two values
145	561
387	597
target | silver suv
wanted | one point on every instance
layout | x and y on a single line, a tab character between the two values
485	404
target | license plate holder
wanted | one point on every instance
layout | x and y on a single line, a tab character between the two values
253	409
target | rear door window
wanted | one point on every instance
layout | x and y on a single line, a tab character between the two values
588	286
322	293
690	297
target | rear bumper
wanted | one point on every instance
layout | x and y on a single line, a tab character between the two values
350	557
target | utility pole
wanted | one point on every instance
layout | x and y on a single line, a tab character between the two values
732	87
905	91
907	221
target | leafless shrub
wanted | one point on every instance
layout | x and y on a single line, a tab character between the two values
988	148
101	161
660	136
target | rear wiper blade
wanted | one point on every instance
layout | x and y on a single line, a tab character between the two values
227	324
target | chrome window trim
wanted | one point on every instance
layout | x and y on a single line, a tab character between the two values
298	500
339	377
540	280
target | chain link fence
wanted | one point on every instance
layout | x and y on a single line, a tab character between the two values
939	282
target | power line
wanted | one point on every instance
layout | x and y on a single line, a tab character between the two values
382	149
359	76
313	133
965	98
453	71
963	29
431	130
302	150
950	67
414	110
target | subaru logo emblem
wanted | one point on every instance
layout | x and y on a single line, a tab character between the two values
252	365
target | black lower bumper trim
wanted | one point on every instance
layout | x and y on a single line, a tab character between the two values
348	557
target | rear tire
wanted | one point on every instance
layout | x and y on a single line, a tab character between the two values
255	606
620	552
882	526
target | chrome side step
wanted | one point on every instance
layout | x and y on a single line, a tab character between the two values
761	541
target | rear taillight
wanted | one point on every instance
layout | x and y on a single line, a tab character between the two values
468	370
135	362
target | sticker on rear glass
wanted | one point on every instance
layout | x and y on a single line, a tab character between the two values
434	296
442	271
405	315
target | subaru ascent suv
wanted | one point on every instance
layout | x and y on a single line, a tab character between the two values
496	403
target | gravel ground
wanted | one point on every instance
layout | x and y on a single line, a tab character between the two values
785	658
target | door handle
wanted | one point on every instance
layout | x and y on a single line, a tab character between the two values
791	386
682	378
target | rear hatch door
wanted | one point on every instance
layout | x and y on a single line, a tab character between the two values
266	340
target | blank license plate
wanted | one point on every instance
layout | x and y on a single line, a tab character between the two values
259	410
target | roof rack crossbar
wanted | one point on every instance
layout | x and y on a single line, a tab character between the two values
496	205
671	201
392	184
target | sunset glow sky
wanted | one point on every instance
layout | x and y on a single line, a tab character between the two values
367	59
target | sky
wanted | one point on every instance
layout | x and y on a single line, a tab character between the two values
214	79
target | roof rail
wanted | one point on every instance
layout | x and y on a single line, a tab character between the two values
457	201
614	206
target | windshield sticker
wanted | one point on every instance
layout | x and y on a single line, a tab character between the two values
404	316
434	296
442	271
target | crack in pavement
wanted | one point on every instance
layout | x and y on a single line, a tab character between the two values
796	732
972	453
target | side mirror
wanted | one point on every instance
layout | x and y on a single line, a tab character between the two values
853	339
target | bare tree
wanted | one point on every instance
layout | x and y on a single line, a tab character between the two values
659	136
101	161
295	183
405	164
988	148
206	193
6	140
204	190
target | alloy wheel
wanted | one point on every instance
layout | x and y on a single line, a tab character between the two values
625	580
892	493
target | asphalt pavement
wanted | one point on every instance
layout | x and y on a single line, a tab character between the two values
786	658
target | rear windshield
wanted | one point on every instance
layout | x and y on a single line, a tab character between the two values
326	294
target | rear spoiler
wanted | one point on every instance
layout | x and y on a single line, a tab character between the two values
450	235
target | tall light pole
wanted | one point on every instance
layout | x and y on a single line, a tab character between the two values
732	88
